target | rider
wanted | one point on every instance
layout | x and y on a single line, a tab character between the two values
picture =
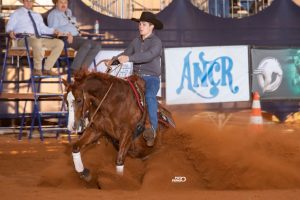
145	52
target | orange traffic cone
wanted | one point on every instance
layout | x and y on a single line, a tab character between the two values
256	116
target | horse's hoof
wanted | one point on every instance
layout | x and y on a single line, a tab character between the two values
86	175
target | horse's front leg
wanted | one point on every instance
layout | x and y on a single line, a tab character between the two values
88	137
124	144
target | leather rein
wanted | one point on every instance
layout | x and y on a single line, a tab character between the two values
98	107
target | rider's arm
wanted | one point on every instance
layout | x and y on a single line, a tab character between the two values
150	53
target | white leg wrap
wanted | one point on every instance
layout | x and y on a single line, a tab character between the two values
77	162
71	120
71	117
120	169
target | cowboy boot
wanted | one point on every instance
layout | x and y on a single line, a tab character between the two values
149	135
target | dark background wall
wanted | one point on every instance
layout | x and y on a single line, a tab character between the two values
2	39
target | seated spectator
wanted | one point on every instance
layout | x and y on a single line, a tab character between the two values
24	20
62	19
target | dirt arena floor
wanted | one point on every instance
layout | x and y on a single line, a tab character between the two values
219	156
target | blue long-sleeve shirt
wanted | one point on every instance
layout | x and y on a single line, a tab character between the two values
20	22
63	21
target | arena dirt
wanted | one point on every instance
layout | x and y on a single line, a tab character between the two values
200	159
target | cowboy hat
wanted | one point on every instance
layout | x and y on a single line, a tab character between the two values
149	17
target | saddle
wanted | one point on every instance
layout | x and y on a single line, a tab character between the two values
164	116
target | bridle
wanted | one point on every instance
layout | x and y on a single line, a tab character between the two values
85	112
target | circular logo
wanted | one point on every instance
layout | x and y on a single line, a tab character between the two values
269	74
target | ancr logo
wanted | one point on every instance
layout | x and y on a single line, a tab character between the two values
179	179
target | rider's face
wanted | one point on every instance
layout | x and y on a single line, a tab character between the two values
62	5
145	28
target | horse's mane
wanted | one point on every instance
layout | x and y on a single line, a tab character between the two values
82	75
106	79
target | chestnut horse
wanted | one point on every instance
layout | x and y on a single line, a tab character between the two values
111	108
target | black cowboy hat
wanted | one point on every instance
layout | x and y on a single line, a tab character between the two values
150	17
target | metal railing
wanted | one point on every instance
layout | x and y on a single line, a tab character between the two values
6	9
201	4
126	8
221	8
133	8
232	8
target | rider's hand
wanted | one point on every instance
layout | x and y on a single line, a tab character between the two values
70	38
12	35
123	59
108	62
58	33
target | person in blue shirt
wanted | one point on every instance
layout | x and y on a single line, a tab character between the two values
61	18
24	20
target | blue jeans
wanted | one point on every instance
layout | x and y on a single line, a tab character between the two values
152	87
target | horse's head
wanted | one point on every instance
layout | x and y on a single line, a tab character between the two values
78	105
84	94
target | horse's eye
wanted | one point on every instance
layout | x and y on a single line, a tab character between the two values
78	101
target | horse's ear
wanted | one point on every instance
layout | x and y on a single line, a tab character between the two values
80	75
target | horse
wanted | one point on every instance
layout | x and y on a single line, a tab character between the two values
113	111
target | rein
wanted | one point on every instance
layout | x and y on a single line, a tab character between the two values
98	107
92	118
109	68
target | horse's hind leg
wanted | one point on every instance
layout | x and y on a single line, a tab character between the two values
125	142
85	139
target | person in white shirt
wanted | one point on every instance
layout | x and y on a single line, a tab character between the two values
61	18
24	20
